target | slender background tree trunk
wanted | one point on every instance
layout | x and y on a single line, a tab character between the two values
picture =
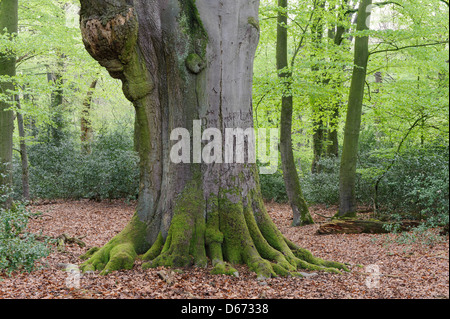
347	178
301	215
317	103
23	152
8	22
86	122
57	102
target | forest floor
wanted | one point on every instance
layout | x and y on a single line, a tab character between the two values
418	270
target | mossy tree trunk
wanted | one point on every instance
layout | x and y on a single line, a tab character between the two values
347	177
8	24
182	61
86	122
301	215
23	152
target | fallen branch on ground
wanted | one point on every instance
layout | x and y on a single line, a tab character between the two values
64	239
357	226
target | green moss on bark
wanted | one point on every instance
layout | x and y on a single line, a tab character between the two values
195	63
120	252
195	38
185	244
155	250
213	235
235	230
253	22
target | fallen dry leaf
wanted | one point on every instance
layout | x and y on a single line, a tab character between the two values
405	272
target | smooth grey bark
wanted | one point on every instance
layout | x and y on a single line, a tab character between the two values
8	23
167	91
85	121
179	62
347	177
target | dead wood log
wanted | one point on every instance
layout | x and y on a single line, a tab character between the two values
358	226
64	239
444	231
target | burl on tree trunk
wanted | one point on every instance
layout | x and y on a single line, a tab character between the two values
181	61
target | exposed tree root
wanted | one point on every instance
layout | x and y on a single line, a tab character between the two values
120	253
235	232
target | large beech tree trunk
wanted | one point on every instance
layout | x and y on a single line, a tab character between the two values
182	61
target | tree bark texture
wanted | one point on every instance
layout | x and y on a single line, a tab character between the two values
347	178
23	152
301	215
355	226
8	23
182	61
85	121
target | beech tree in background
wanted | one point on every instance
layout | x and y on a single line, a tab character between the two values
301	215
86	121
182	61
8	24
347	178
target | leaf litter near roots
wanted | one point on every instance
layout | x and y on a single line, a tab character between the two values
414	271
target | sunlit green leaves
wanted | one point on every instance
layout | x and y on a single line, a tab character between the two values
49	42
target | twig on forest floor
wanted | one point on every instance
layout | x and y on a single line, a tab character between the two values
381	275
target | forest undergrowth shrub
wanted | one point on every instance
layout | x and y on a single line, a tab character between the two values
424	236
110	171
19	249
322	187
273	188
417	186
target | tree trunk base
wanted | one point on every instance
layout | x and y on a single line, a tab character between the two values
235	233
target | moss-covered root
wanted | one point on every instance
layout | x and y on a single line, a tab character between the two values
308	261
223	268
185	242
237	231
273	246
120	253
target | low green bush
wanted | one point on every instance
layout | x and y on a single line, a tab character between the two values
272	187
19	249
110	171
322	187
418	185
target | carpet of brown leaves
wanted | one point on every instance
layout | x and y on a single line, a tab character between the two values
406	271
